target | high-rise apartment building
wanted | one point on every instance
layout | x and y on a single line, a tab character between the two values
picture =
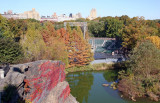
93	14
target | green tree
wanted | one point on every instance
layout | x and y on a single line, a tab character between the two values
97	29
4	28
32	43
10	51
125	19
113	28
144	59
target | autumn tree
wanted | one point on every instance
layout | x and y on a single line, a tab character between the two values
158	25
79	49
55	42
155	40
137	30
18	28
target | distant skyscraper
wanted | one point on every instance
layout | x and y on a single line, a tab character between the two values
93	14
79	15
54	16
70	15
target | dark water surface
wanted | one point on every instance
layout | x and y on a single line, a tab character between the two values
87	88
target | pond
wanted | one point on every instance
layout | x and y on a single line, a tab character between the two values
87	87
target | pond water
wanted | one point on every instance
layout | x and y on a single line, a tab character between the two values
87	87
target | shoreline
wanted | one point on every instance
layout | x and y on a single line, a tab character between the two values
91	67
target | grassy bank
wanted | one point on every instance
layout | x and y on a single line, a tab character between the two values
94	67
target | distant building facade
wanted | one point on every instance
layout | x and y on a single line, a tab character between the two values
10	15
93	14
33	14
61	18
48	18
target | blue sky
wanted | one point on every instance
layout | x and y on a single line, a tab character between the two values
150	9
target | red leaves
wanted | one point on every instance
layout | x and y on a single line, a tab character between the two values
26	86
65	93
50	74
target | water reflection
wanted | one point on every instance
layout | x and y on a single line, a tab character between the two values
110	75
87	88
80	84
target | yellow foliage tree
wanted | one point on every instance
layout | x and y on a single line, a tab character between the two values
155	40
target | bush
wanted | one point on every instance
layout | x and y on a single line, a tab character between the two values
145	59
142	74
10	51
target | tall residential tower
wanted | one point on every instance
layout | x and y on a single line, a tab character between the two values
93	14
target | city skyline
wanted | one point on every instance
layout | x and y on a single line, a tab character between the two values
147	8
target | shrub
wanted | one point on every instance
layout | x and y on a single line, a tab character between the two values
145	59
142	74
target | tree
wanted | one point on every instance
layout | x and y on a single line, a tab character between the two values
67	45
125	19
79	49
18	28
143	68
4	28
97	29
158	25
33	44
137	30
55	41
144	59
113	28
10	51
155	40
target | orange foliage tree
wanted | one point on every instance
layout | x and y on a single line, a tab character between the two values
55	43
78	48
68	45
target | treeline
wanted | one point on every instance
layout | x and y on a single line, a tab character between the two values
126	29
113	27
29	40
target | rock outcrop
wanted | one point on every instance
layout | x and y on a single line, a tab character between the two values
40	82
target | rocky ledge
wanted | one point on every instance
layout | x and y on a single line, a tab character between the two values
37	82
